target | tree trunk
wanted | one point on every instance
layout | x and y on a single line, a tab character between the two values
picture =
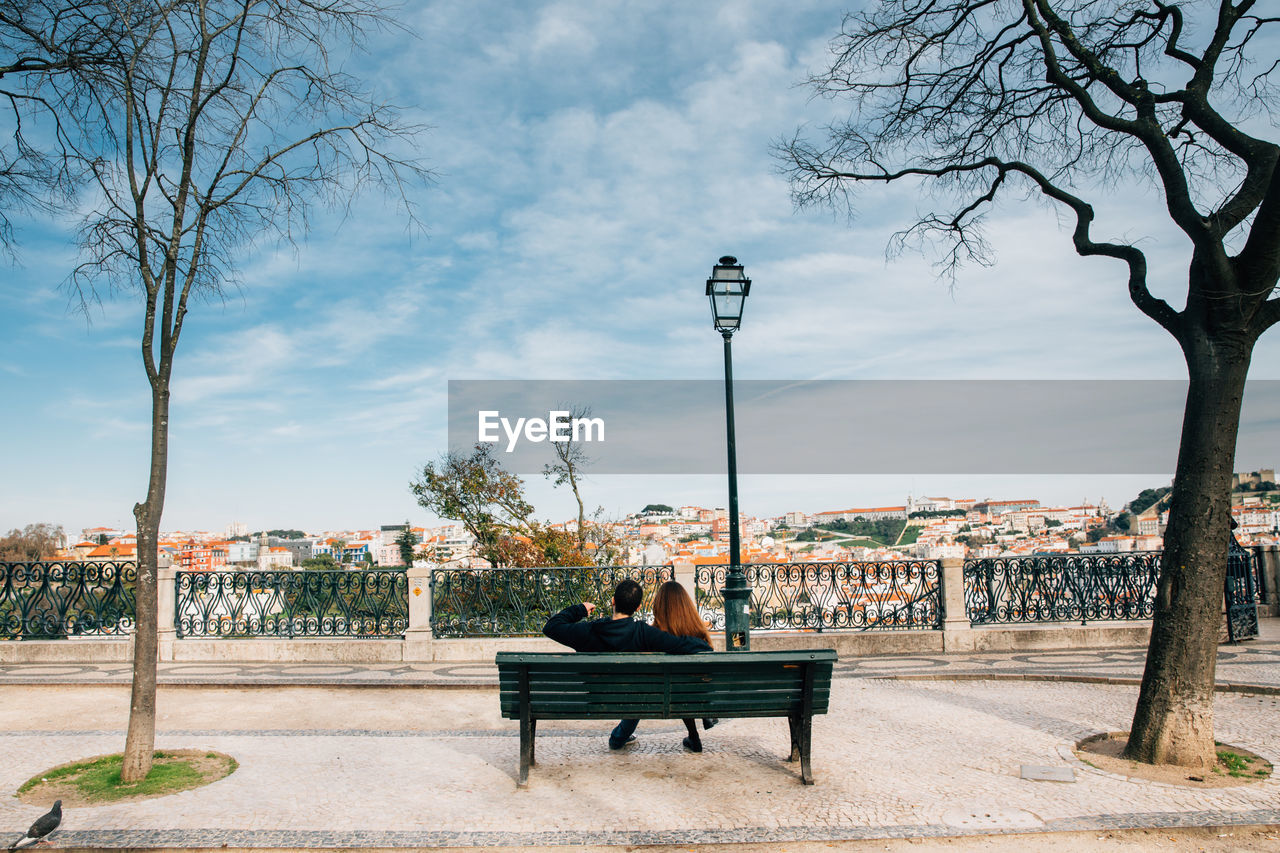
1173	721
141	737
582	515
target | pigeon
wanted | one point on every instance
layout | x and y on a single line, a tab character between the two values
44	825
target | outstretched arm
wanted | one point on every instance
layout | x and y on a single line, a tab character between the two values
567	626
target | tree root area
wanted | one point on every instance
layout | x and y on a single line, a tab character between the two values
1235	765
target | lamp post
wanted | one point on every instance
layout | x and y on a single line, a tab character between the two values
727	289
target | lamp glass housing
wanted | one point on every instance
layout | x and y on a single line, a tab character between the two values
727	289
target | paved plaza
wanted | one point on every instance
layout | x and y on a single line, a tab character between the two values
347	757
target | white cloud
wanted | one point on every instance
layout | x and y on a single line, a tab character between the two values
560	31
478	241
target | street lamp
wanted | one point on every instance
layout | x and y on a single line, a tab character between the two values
727	289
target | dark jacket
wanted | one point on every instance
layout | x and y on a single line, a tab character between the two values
615	635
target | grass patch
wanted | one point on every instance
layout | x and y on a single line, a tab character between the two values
1241	766
909	535
97	780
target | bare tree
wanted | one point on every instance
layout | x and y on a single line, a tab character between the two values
221	123
32	543
1060	97
570	460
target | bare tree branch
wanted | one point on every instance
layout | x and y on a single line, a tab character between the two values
50	54
1065	96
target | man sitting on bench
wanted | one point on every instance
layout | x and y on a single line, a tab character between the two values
620	633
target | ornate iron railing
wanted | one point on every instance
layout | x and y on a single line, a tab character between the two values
517	602
1061	588
895	595
55	600
1243	592
353	604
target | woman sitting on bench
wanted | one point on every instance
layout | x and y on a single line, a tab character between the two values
675	613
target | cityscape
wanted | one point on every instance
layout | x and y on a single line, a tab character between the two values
930	528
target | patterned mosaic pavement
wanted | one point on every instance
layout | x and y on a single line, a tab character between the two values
900	755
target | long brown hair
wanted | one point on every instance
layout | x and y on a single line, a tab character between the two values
673	612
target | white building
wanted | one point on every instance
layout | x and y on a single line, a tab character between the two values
1109	545
388	555
389	533
239	553
948	551
929	504
876	513
274	557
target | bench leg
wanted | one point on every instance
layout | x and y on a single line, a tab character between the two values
533	743
802	732
793	724
806	738
526	748
528	728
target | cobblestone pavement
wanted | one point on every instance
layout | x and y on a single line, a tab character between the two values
893	759
356	765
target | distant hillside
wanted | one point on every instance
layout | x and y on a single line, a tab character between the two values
1147	497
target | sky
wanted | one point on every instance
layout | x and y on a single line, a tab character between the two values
592	161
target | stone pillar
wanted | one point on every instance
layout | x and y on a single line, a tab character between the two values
957	634
166	603
417	637
1269	558
685	574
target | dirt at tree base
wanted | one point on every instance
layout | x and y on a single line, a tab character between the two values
1245	768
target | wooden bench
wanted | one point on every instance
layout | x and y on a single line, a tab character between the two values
649	686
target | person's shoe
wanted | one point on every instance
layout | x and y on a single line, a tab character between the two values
692	745
615	745
709	723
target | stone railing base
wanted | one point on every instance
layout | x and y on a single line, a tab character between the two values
94	650
421	649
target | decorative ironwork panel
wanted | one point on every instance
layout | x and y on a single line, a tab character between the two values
56	600
518	602
894	595
359	604
1061	588
1243	593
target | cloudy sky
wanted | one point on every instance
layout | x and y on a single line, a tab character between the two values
593	160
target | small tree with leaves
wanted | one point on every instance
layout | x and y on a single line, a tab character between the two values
476	491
